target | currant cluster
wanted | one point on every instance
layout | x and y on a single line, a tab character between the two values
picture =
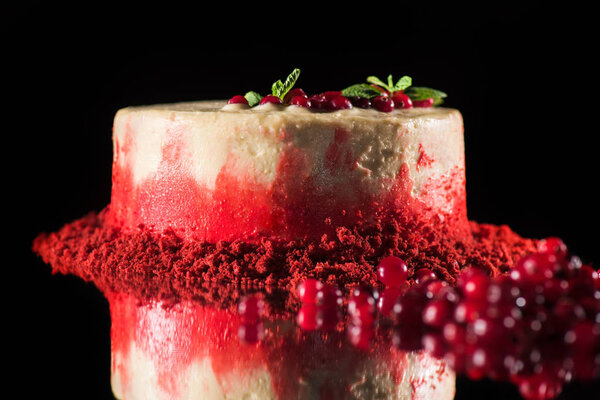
335	100
538	326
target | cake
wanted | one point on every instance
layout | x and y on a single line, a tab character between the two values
217	205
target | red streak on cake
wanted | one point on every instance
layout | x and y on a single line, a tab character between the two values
298	203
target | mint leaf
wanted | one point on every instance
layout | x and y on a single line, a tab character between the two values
422	93
361	90
280	89
390	82
402	83
277	88
253	98
376	81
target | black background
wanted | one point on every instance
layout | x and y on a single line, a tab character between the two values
523	75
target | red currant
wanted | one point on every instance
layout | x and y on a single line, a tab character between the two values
401	100
270	99
383	103
392	271
239	99
424	103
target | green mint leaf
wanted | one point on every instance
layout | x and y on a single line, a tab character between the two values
390	81
402	83
361	90
280	89
376	81
422	93
277	88
253	98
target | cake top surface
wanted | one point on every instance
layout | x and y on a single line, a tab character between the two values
221	106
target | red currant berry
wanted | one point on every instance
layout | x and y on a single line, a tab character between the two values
552	245
300	101
317	102
387	299
407	338
539	387
409	306
488	331
329	296
437	313
239	99
392	271
476	286
383	103
330	317
361	299
454	333
434	344
584	337
270	99
423	274
308	291
360	336
293	93
361	102
401	100
535	268
340	103
423	103
433	288
468	311
330	95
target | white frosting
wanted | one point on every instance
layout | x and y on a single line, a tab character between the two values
211	134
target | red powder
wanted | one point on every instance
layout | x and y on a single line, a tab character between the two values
163	266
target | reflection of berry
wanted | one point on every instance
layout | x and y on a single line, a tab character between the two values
309	317
251	332
251	308
309	290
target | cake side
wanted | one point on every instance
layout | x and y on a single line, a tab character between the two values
214	172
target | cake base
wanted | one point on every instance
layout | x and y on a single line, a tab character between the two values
165	267
192	351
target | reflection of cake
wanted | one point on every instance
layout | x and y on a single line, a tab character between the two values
212	200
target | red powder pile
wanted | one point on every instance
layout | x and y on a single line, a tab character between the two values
163	266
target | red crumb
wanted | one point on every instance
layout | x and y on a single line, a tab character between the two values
163	266
424	159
